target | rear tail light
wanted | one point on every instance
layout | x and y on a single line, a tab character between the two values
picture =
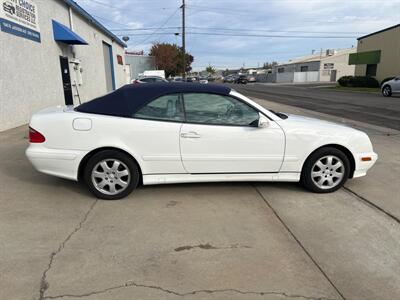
35	136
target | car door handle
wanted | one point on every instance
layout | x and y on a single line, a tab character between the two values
190	135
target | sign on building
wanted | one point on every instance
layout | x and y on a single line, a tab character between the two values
20	18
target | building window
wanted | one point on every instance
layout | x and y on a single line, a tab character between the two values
281	70
371	70
303	68
328	66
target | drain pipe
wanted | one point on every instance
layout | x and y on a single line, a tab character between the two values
71	26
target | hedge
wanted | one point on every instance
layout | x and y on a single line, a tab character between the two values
358	81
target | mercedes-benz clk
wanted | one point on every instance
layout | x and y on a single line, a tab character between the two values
186	132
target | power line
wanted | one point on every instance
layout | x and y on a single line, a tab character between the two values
273	36
247	35
157	29
271	30
243	30
144	29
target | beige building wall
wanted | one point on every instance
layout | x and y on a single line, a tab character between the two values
389	44
340	64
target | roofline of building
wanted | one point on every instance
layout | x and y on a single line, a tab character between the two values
141	55
317	57
383	30
83	13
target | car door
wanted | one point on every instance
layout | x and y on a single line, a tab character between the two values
154	134
219	136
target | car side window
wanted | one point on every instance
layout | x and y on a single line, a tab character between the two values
168	107
218	110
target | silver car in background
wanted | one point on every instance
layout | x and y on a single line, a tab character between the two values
391	87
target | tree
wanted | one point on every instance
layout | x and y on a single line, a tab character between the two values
210	70
168	57
269	65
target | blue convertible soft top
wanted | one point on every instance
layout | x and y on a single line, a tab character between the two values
125	101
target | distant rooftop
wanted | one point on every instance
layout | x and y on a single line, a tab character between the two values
317	56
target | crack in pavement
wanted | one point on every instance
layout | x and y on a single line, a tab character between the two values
204	291
44	285
208	246
365	200
298	241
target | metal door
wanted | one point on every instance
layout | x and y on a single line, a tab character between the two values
66	80
333	75
109	67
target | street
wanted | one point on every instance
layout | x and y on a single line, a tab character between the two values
364	107
203	241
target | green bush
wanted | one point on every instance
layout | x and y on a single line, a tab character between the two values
387	79
344	80
358	81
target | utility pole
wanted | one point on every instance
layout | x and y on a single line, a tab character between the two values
183	40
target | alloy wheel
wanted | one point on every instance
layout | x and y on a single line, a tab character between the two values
111	176
328	172
386	91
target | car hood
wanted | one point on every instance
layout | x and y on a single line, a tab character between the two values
302	123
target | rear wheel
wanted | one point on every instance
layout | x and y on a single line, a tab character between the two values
325	171
387	91
111	175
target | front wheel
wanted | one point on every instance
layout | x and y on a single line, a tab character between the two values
111	175
325	171
387	91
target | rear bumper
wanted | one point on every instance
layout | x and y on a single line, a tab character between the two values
362	167
60	163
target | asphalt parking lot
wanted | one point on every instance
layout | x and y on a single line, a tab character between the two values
201	241
370	108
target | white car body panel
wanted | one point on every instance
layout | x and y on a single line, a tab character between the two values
230	149
305	135
394	84
222	153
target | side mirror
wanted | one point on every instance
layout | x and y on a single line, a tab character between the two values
263	122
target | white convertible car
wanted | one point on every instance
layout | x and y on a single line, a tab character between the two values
182	132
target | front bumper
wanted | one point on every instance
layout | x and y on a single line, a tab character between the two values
361	166
56	162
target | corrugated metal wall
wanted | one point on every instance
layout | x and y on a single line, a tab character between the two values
139	63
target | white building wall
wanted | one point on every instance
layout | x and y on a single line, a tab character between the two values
30	74
312	76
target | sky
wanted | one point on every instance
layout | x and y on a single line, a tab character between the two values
247	33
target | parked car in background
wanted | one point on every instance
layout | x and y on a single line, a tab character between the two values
191	79
153	73
203	80
150	79
251	79
177	79
186	132
229	79
241	79
391	87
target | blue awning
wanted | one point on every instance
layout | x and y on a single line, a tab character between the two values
65	35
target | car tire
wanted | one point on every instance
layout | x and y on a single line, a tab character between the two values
111	175
387	91
325	171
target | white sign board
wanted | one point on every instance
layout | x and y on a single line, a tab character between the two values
20	18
